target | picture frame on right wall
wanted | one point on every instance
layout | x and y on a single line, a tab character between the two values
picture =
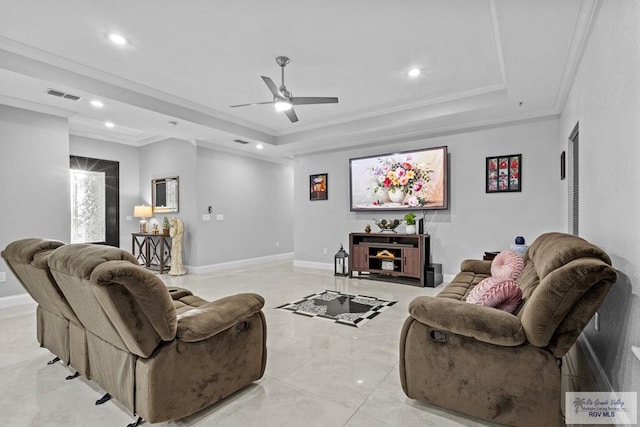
503	173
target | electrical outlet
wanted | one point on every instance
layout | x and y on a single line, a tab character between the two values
3	276
206	217
277	244
219	217
324	251
129	218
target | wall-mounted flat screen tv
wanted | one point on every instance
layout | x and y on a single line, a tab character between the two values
411	180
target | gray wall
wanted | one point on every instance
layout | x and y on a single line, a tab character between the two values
475	221
167	158
34	170
605	99
127	157
255	198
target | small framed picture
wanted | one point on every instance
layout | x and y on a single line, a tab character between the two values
504	173
318	186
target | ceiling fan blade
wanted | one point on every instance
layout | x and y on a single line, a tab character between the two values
291	114
253	103
300	100
272	87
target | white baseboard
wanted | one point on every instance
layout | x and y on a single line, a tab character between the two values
240	263
13	300
312	264
600	377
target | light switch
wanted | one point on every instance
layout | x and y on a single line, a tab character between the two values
3	276
206	217
219	217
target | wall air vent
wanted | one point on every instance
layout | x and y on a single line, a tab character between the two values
60	94
241	141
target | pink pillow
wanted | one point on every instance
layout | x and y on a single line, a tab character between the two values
507	265
503	294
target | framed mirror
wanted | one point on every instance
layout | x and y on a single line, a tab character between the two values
165	194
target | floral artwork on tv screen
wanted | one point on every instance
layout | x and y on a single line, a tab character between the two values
400	181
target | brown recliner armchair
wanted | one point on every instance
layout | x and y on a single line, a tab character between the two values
57	326
498	366
161	358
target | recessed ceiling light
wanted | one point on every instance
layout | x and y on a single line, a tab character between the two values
259	146
117	39
109	124
414	72
97	103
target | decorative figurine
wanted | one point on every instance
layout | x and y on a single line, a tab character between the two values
519	247
367	229
177	233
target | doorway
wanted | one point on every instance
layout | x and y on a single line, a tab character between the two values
573	182
95	201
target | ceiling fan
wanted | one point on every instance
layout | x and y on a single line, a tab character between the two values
283	100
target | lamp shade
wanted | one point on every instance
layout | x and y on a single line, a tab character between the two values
142	212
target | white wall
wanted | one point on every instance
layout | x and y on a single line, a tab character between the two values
129	178
34	170
475	221
605	99
255	199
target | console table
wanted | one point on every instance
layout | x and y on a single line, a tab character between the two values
152	250
402	258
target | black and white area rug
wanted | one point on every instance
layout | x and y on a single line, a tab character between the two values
352	310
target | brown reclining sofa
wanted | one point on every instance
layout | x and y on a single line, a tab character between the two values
498	366
163	353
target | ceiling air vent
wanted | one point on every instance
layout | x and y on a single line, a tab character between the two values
60	94
241	141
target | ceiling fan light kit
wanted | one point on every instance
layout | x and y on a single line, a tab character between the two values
283	100
282	105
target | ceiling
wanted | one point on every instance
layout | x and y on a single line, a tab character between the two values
482	63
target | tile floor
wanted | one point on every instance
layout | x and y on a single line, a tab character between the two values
318	373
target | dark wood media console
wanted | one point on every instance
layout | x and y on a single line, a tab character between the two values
401	258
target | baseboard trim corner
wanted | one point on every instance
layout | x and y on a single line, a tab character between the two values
241	263
599	375
13	300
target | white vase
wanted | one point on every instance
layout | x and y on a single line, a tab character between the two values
396	195
382	194
411	229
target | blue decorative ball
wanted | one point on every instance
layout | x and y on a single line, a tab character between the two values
519	240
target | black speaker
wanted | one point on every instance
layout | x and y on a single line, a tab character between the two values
421	226
433	275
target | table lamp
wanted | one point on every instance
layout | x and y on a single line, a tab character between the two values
143	212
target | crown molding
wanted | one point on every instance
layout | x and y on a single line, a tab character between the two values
585	21
36	106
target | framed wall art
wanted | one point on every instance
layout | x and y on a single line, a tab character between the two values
409	180
318	187
504	173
